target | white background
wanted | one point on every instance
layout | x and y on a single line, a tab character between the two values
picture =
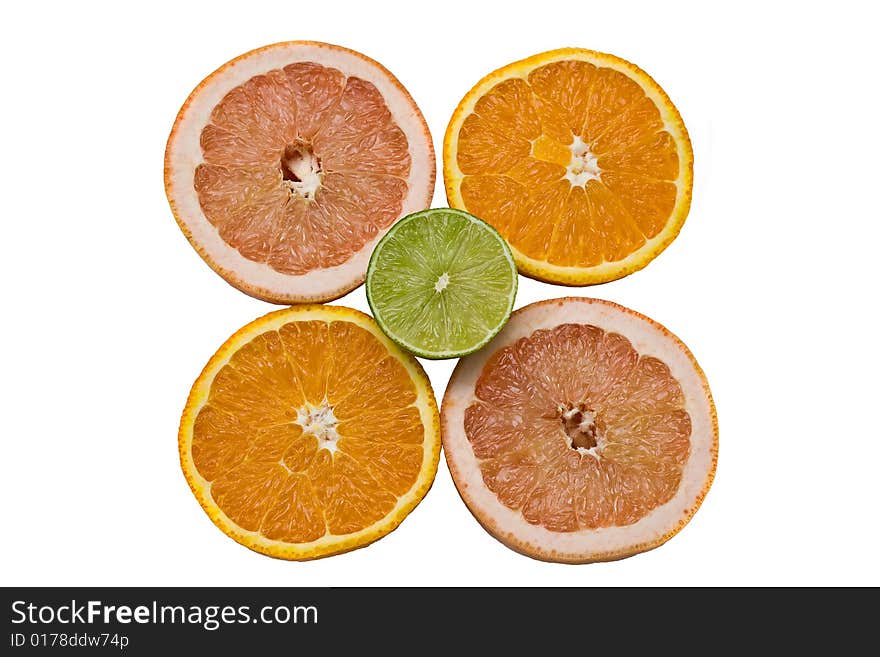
109	314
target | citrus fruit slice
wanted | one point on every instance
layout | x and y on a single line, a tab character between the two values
578	158
441	283
583	432
310	433
287	164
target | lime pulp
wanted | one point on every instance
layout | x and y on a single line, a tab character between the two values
441	283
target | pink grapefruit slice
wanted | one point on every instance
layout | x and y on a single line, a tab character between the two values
583	432
286	165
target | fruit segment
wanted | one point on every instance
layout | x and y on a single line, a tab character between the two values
441	283
310	430
287	164
541	120
576	158
584	432
337	374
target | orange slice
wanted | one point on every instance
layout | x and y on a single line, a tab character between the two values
578	158
309	433
287	164
583	432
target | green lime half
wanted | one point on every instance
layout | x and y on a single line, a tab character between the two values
441	283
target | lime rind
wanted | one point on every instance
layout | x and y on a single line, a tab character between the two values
441	283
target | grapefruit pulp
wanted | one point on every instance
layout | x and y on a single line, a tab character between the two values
578	158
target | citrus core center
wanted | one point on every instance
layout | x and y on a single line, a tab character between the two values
584	166
442	282
319	421
580	425
301	169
